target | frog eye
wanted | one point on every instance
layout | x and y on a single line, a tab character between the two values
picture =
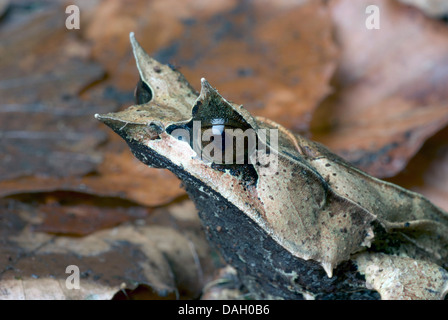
143	93
226	144
217	134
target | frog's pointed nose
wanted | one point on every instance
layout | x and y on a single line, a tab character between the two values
100	117
110	120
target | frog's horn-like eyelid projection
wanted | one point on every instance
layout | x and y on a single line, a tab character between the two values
140	55
206	89
208	92
160	79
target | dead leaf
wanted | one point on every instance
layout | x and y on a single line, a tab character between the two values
52	289
427	172
120	176
84	219
225	286
403	278
53	65
42	119
391	86
173	263
60	140
50	140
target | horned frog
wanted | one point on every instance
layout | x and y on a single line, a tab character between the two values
295	220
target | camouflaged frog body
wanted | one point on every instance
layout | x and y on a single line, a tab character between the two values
299	222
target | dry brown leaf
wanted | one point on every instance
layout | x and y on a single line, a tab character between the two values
47	61
435	185
225	286
50	140
40	114
120	176
173	263
53	289
427	172
392	81
81	220
403	278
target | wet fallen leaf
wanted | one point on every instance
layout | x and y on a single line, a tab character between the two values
391	85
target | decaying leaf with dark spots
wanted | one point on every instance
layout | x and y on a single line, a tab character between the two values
292	215
403	278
